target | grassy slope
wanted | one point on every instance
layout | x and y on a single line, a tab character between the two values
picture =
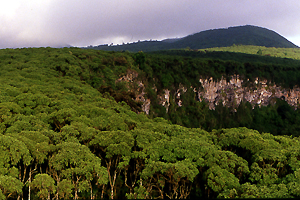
293	53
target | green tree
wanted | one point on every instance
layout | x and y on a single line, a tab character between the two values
65	189
45	185
114	148
140	59
75	162
259	52
10	186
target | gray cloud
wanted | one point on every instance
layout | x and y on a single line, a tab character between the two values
81	23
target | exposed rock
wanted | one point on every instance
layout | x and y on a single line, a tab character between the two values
230	93
140	93
165	99
129	77
181	90
233	92
146	106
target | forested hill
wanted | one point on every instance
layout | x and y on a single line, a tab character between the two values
67	131
239	35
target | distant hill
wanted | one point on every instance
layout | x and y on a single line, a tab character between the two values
238	35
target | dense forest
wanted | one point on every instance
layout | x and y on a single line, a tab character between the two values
69	130
176	67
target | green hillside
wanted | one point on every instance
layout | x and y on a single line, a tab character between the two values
293	53
67	132
239	35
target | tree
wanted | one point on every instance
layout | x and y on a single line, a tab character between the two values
259	52
39	147
65	189
10	186
140	59
44	184
75	162
14	154
113	147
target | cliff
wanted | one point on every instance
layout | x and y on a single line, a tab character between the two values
229	93
232	92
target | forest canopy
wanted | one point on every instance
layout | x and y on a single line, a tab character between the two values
68	130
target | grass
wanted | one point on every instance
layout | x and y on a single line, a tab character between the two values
293	53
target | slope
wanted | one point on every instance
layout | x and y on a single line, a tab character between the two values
240	35
293	53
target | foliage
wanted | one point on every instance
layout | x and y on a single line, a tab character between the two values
62	138
44	184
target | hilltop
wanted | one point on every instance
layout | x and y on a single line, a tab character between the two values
238	35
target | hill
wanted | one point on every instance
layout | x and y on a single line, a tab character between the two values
239	35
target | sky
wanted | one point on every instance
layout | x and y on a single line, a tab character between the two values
56	23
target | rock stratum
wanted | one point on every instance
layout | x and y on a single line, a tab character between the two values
229	93
232	92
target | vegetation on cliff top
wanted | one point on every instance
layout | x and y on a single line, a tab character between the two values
293	53
63	135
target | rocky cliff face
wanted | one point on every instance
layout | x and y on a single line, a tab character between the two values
229	93
232	92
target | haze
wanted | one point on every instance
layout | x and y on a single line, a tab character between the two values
56	23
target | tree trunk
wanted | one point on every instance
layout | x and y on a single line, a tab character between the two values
103	187
76	194
29	180
56	195
91	191
76	188
112	181
112	193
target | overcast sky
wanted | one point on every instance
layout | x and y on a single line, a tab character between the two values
34	23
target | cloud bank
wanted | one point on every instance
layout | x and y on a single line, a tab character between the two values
33	23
